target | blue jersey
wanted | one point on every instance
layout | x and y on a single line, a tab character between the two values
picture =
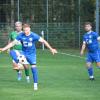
28	42
91	41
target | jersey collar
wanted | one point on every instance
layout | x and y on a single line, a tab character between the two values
28	34
89	32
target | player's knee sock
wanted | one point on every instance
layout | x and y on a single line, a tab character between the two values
14	56
17	70
35	74
90	72
27	75
27	72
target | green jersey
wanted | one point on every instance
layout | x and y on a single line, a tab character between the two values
12	37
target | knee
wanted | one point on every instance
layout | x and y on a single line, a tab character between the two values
88	65
26	66
98	65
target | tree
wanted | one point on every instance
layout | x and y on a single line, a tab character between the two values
12	13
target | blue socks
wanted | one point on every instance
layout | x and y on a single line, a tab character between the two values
90	71
14	56
35	74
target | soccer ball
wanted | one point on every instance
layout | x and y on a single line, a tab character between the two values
22	59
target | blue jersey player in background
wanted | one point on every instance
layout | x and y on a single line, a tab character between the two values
28	40
90	41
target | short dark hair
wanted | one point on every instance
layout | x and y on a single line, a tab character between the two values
26	25
88	23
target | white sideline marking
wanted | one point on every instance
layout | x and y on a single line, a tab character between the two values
71	55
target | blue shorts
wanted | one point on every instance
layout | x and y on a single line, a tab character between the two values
31	58
93	56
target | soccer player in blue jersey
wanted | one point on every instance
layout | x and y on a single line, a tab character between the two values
28	39
90	41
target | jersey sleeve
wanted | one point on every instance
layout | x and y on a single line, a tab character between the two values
96	35
36	37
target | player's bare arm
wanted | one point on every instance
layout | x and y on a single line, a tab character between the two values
83	48
9	46
9	41
48	45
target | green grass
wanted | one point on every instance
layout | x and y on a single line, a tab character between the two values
61	77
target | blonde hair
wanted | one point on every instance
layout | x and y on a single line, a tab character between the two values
18	22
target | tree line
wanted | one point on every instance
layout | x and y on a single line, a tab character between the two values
67	11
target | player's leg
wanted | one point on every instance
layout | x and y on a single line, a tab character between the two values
26	68
89	66
14	56
35	76
90	70
32	60
98	65
97	59
19	72
15	65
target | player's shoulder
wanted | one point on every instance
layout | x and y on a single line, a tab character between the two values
33	33
13	32
85	35
93	32
35	36
21	34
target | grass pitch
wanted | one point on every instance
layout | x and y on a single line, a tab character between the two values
61	77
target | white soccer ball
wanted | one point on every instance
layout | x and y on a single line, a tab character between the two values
22	59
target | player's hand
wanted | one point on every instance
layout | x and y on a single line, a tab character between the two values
53	51
1	49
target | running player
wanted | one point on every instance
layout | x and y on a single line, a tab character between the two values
28	39
90	41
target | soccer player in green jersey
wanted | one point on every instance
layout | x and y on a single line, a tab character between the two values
18	47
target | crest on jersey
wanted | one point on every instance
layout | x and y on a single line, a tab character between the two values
24	38
90	36
30	39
